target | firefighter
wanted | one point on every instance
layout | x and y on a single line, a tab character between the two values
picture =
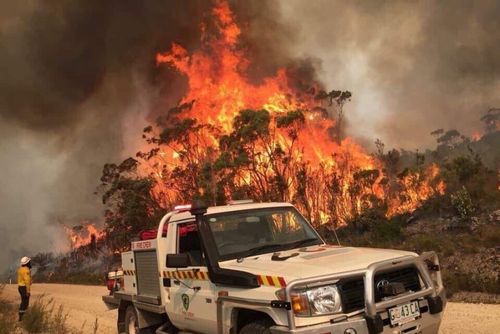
24	285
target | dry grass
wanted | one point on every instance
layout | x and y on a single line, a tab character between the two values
42	316
7	315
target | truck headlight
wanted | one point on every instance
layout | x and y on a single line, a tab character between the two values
316	301
324	300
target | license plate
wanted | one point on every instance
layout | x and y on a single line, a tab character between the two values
402	314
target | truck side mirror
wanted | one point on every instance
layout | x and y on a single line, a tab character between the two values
178	260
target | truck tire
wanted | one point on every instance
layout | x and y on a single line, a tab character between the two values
257	327
132	324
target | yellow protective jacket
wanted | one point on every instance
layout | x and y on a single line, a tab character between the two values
24	278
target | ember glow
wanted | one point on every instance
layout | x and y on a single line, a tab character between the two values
83	234
476	136
329	179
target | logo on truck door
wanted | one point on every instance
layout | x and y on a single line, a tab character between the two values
185	301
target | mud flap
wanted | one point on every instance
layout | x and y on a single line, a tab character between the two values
435	304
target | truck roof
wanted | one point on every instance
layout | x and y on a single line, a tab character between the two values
185	215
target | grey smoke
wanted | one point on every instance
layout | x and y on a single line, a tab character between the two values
78	81
412	66
75	75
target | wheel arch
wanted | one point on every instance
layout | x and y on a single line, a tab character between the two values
145	319
241	316
122	309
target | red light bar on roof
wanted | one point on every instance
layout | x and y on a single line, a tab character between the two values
184	207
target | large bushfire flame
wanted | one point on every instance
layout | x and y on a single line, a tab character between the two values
331	179
83	234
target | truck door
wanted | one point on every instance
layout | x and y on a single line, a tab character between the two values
192	295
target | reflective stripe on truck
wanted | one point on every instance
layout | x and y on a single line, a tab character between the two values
187	274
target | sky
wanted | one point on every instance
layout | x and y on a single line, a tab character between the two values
413	66
78	83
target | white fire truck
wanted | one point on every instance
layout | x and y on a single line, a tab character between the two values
261	268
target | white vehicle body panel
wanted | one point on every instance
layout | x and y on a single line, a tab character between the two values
129	278
194	303
315	261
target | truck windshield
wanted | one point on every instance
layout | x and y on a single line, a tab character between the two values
245	233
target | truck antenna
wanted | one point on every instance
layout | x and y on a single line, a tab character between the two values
336	236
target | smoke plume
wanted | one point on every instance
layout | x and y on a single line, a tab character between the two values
78	84
413	67
79	81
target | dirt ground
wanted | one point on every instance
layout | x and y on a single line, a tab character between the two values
84	305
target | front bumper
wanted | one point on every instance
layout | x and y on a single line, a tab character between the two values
426	324
374	318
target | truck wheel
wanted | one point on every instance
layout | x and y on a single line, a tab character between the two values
131	322
257	327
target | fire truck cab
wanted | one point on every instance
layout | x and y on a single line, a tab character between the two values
262	268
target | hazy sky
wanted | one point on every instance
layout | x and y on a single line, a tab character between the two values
77	80
413	66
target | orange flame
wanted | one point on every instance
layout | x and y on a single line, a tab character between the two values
476	136
218	90
82	235
417	189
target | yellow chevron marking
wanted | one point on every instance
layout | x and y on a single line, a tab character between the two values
185	274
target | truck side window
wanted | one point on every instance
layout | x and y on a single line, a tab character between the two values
189	242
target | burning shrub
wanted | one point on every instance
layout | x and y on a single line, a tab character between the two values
279	139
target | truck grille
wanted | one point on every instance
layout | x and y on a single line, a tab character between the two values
352	291
407	276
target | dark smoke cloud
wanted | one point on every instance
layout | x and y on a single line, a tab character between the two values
412	66
74	76
78	83
55	55
78	80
